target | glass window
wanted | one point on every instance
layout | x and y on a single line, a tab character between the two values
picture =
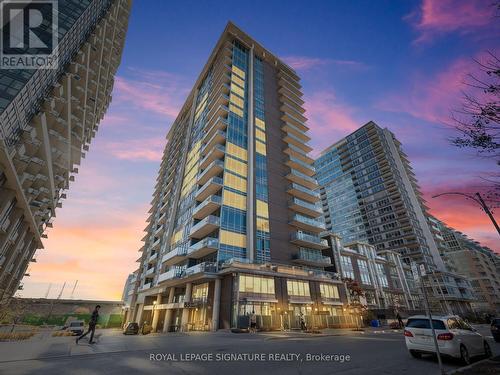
256	284
347	270
262	209
298	288
232	239
235	200
236	166
329	291
235	182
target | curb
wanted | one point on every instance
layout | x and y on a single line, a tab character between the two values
494	363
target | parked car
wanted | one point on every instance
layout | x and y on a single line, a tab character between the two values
455	337
131	329
495	329
76	327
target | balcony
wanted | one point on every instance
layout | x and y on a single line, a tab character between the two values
304	193
150	271
216	112
303	207
302	179
156	244
174	273
205	227
219	137
299	133
174	256
207	207
216	167
307	223
215	154
144	287
210	188
292	139
153	258
200	268
312	257
203	248
294	151
300	166
308	240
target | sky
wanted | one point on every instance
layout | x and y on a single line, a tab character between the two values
402	64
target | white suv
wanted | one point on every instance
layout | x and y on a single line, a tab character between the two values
455	337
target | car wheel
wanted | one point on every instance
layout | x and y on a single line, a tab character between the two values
464	355
487	350
415	354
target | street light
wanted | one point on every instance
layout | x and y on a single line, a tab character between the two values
479	200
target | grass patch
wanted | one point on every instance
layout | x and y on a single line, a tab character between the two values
62	333
16	336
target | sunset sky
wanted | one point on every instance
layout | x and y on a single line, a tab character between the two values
400	64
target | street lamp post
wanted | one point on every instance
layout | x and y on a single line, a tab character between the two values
479	200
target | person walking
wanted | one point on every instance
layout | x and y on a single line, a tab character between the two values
400	321
92	324
253	322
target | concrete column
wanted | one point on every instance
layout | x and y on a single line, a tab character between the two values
168	313
156	312
185	311
139	309
216	305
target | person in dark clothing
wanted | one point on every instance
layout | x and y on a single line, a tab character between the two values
400	321
92	324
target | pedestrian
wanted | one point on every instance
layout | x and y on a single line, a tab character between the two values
400	321
92	324
302	322
253	322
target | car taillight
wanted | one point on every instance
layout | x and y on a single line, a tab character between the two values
494	328
408	333
445	336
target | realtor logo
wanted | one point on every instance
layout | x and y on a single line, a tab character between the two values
29	34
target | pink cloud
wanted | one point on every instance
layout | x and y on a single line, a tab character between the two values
158	92
434	97
148	149
329	119
304	63
437	17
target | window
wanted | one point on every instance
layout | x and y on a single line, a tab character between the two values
233	239
236	166
200	292
329	291
236	151
382	278
364	272
256	284
234	200
453	324
347	270
424	323
298	288
235	182
262	209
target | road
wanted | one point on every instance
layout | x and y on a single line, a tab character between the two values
371	352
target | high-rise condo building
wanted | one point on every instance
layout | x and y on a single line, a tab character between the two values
370	194
235	225
479	264
48	118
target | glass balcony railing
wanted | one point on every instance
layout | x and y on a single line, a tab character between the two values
301	236
307	205
309	221
213	199
303	176
300	162
304	190
199	268
313	256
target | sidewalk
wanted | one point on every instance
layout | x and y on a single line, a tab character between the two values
488	366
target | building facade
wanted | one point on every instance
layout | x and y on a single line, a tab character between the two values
370	194
48	118
477	263
234	224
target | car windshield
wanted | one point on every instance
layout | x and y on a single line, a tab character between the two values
424	323
76	324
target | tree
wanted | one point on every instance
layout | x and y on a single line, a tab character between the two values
478	121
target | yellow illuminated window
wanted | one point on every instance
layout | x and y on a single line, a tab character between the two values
236	100
260	123
298	288
235	150
329	291
176	237
238	80
238	71
262	209
232	239
263	225
260	148
200	292
235	110
238	90
256	284
235	182
235	200
259	134
236	166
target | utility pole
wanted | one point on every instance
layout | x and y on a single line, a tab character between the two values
479	200
73	291
48	291
429	315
